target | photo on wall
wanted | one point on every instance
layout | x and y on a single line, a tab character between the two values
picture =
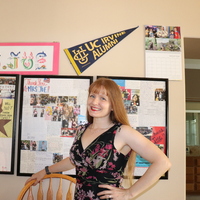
8	115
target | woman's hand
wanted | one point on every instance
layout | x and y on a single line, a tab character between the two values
114	193
37	176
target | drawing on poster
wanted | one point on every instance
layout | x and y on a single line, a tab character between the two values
28	58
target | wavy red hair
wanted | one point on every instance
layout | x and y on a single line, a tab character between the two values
117	115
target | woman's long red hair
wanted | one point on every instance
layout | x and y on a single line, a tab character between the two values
118	115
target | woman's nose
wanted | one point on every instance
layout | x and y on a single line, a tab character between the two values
95	100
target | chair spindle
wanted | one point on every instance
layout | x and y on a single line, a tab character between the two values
30	194
40	192
69	195
59	192
50	191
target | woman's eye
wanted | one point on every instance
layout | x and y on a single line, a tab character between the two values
104	99
92	96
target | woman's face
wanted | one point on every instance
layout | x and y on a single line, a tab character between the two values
32	100
99	104
38	100
66	110
135	98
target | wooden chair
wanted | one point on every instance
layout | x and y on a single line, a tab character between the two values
52	181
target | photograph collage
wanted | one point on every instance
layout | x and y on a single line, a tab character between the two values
51	114
138	102
162	38
56	109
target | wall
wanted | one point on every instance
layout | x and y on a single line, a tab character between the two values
72	22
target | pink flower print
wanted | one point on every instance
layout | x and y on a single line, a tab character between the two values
84	163
102	171
90	194
88	184
82	194
116	175
78	181
83	169
96	149
91	177
104	166
115	157
111	166
88	160
102	152
108	146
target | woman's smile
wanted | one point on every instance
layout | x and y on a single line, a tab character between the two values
95	109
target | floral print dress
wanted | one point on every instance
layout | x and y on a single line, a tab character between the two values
99	163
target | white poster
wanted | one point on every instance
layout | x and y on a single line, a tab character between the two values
52	109
145	101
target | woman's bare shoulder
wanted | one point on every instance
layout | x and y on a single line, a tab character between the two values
126	129
128	133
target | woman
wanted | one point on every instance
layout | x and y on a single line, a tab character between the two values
103	147
135	101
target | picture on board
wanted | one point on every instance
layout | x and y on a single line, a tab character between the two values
146	101
8	104
52	107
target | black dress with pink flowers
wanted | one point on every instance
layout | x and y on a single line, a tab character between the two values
99	163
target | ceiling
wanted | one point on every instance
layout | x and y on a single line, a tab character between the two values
192	48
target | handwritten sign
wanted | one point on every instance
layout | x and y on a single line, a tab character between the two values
37	85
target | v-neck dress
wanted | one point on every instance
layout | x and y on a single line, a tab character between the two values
99	163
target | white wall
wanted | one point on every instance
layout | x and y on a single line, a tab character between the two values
72	22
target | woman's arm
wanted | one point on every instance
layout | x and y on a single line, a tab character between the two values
61	166
150	152
131	138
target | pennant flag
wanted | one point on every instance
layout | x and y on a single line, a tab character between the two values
85	54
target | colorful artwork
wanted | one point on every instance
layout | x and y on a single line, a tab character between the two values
29	58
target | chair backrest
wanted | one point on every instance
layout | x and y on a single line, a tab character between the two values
50	182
